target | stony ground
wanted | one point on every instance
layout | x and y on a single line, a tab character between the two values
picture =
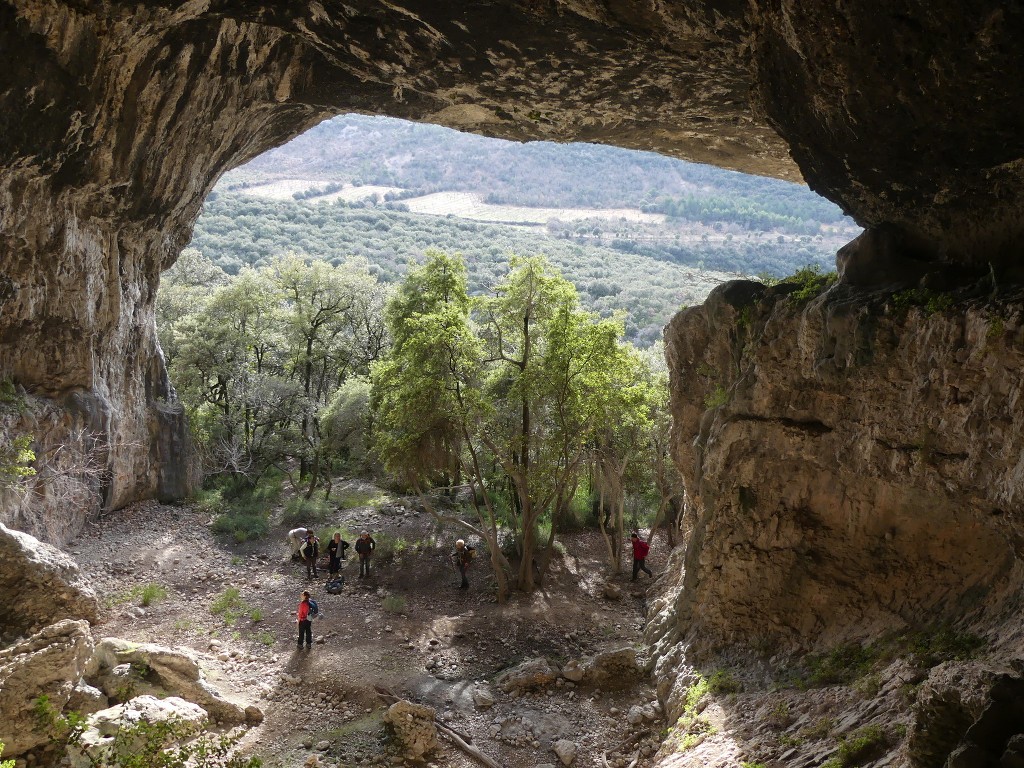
408	628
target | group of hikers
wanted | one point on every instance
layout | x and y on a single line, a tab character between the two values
306	547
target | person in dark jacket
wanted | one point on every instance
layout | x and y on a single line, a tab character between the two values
364	548
640	550
462	557
310	552
305	622
336	552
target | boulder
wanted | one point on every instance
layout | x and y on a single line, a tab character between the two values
566	751
414	727
534	673
87	699
101	735
612	669
153	668
50	663
612	591
573	671
39	585
483	698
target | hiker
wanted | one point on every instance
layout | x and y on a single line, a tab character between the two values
364	547
310	552
640	550
296	538
462	557
304	615
336	552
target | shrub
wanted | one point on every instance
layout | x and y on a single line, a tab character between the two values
300	511
722	681
5	763
256	615
720	396
809	282
857	746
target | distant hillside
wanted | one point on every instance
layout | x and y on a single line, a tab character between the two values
354	149
635	231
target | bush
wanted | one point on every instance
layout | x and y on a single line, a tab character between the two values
299	511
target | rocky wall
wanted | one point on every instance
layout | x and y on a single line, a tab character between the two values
853	458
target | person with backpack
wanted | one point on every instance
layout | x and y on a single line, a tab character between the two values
364	548
308	610
463	557
336	552
310	552
640	550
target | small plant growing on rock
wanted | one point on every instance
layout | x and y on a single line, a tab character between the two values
722	681
809	282
857	747
719	396
5	763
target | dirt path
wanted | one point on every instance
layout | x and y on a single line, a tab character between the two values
407	627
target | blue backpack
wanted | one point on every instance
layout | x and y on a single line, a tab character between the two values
314	609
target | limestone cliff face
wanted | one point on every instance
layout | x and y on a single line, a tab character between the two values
853	461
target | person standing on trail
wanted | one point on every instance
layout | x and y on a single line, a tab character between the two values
640	550
463	557
310	552
304	617
364	547
296	538
336	552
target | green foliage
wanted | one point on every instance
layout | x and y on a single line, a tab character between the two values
719	396
691	728
996	329
810	281
299	511
149	594
722	681
9	394
858	747
841	665
943	643
241	509
256	615
929	301
746	764
229	605
5	763
266	638
394	604
16	457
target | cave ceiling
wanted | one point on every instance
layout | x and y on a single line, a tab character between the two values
907	113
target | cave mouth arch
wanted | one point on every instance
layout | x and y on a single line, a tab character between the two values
120	119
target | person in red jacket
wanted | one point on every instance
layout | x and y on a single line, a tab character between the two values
640	550
305	622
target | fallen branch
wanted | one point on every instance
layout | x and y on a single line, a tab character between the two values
461	740
634	737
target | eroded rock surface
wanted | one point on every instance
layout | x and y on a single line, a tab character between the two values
50	663
853	460
39	585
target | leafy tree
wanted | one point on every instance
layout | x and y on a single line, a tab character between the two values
426	394
513	401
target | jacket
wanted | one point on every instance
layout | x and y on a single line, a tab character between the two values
303	612
365	546
640	549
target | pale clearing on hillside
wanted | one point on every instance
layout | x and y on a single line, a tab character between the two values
469	205
285	189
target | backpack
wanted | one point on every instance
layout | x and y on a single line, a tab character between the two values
314	609
335	586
